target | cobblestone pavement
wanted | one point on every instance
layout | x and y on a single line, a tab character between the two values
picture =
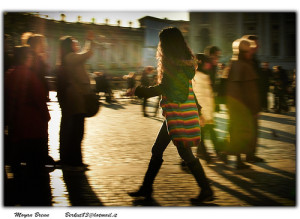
117	148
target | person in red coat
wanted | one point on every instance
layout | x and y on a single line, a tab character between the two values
26	111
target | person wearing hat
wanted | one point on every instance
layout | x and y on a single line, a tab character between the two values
251	157
243	103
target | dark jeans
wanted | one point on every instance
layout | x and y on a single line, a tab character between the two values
162	141
71	135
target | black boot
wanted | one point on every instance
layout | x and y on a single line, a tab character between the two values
146	189
206	193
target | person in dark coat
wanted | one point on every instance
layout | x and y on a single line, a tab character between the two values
243	103
252	157
73	84
176	68
38	45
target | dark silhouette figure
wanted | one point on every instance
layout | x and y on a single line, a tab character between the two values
25	99
26	120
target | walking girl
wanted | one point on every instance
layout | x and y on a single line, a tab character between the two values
176	68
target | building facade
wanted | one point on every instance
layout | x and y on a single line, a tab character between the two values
129	49
276	34
122	51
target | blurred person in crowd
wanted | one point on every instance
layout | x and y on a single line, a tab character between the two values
280	89
176	69
243	103
257	67
73	84
38	45
131	82
26	112
103	85
214	54
205	96
265	77
145	81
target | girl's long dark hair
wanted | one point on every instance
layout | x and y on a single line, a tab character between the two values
172	51
65	47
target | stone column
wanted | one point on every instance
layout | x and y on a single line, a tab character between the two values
282	36
217	33
266	37
260	34
239	23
